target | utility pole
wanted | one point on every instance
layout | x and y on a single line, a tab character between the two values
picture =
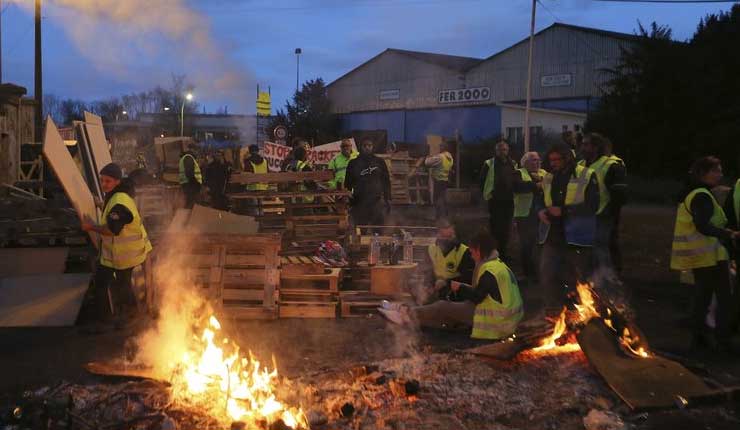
1	41
529	80
38	91
298	53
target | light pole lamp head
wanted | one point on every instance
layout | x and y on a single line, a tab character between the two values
189	96
298	51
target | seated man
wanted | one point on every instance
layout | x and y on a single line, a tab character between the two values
492	306
447	260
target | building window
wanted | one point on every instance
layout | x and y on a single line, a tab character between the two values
514	136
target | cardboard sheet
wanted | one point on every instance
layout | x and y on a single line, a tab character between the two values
32	261
212	221
50	300
69	176
97	141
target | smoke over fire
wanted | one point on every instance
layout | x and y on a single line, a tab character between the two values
172	36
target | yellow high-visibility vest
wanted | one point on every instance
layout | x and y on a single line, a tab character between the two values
494	320
523	201
575	192
690	248
259	168
601	167
338	165
130	247
446	266
441	172
196	170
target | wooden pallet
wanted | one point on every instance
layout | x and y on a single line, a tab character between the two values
324	282
307	304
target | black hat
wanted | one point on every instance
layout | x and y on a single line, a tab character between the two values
112	170
254	149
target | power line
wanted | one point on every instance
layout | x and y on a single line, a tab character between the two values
670	1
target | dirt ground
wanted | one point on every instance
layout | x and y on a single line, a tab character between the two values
34	357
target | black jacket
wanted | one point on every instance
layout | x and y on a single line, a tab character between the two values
217	176
503	180
368	178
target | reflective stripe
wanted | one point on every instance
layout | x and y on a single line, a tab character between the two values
130	247
441	172
689	238
196	170
693	252
259	169
124	239
498	313
580	195
489	182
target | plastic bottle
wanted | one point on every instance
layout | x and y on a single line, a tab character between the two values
408	248
395	250
374	254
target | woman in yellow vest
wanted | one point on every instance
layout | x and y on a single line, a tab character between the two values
699	244
527	186
492	306
124	245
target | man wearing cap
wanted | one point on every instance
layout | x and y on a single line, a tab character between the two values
255	163
447	260
190	176
217	176
339	163
440	166
124	244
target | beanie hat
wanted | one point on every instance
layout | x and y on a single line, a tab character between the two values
113	170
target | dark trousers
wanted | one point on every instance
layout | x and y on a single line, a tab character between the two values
501	217
368	213
606	247
614	250
440	199
708	281
527	229
191	190
113	289
219	201
562	266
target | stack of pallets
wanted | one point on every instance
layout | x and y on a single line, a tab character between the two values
310	295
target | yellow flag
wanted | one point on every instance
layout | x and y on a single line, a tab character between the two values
264	106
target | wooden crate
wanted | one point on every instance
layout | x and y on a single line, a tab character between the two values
324	282
355	304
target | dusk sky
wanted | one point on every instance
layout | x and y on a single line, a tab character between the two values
227	47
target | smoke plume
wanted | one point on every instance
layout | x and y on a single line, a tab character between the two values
114	34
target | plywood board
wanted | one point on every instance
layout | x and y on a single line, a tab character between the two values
96	138
32	261
643	383
42	300
69	176
205	220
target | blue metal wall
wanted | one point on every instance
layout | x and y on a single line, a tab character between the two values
472	122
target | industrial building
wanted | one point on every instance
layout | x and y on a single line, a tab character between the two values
413	94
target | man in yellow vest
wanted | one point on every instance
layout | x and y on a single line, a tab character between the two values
611	173
255	163
567	231
440	166
732	210
124	245
447	260
527	186
496	181
191	178
492	305
339	163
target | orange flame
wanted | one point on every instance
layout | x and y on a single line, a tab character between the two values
549	342
228	385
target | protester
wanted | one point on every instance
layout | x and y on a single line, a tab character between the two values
611	173
567	213
496	181
492	306
448	260
216	179
370	183
526	187
700	242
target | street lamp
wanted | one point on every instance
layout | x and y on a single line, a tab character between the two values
298	53
188	97
166	108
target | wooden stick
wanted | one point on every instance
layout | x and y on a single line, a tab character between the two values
281	177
